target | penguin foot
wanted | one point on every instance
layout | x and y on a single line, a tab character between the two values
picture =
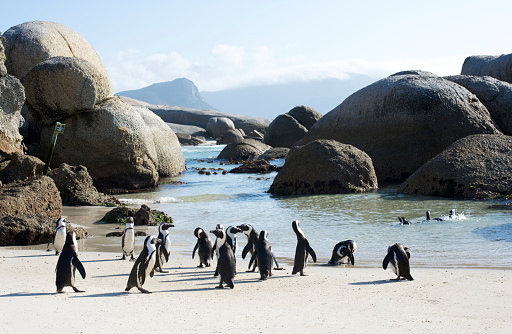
76	290
200	266
132	258
56	252
144	290
123	258
219	286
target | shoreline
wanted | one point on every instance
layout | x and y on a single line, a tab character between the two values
185	299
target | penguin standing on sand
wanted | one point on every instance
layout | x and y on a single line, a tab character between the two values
252	240
67	264
163	249
128	239
226	265
263	253
343	250
216	246
398	255
302	250
59	236
203	246
144	266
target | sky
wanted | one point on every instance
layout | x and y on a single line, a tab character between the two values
227	44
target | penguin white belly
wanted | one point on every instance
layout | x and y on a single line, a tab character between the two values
60	239
394	265
129	242
167	244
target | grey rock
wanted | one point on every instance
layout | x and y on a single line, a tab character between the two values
284	131
60	87
243	149
499	67
306	116
403	121
31	43
230	136
12	98
123	147
3	69
21	167
477	166
324	167
495	95
191	130
217	126
274	153
186	139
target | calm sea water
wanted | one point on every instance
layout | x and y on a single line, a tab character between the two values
481	237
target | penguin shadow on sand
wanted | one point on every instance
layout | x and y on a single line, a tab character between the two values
28	294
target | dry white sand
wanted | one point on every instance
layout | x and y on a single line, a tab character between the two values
330	299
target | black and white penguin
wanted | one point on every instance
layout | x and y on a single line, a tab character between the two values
427	215
163	249
226	265
252	240
216	247
231	232
403	221
302	250
398	255
144	266
203	246
343	250
263	253
68	263
59	236
128	239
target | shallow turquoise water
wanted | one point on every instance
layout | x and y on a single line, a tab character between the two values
483	238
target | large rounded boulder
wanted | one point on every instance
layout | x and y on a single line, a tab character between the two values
63	86
12	98
284	131
403	121
324	167
21	167
122	146
217	126
243	149
495	95
477	166
31	43
499	67
305	115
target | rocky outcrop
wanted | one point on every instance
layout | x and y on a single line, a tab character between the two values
37	196
274	153
21	167
284	131
324	167
76	187
230	136
255	166
477	166
305	115
495	95
61	87
3	69
192	130
403	121
217	126
30	43
186	139
142	216
243	149
12	97
123	147
499	67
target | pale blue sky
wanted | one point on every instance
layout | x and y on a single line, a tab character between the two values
228	44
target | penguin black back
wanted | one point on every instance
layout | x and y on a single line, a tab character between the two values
252	240
302	250
398	256
343	250
226	260
263	253
203	246
67	264
144	266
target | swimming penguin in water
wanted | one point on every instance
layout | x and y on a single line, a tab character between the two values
59	236
398	255
144	266
403	221
216	246
252	240
203	246
226	265
263	253
427	215
343	250
302	250
163	249
128	239
67	264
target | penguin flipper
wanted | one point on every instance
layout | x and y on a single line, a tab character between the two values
351	257
253	257
195	248
141	273
78	265
246	249
275	260
310	251
386	260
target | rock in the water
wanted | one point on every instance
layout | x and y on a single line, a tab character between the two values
403	121
12	97
21	167
274	153
37	196
499	67
495	95
284	131
218	125
76	187
305	115
142	216
243	149
325	167
478	166
60	87
255	166
230	136
123	147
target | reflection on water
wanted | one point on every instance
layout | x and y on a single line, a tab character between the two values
482	239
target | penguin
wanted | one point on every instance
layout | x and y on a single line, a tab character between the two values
163	249
59	236
398	255
252	240
263	253
216	247
343	250
226	265
128	239
144	266
403	221
67	264
231	232
427	215
302	250
203	246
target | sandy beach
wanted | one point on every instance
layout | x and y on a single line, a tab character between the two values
185	300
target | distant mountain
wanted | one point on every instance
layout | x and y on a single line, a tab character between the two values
179	92
272	100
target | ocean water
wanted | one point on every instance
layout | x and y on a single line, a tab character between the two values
479	236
